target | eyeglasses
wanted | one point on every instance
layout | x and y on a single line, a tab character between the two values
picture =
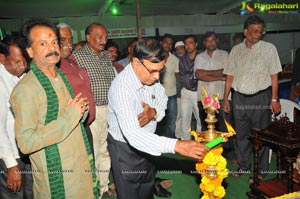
154	71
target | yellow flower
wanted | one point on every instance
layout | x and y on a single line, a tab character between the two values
202	187
205	197
290	195
221	164
210	159
217	182
223	173
213	171
210	187
205	180
201	167
217	151
219	191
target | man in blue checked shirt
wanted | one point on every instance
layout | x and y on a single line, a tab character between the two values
137	101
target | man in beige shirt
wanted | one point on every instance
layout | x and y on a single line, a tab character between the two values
252	73
48	121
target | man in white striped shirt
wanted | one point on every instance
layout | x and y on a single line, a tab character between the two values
137	101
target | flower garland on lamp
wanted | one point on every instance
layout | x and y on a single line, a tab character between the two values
213	170
213	166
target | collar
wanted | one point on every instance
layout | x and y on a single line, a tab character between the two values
214	52
254	45
137	84
91	51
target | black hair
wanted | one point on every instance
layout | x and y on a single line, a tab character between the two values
13	41
167	35
254	19
132	43
239	36
209	34
191	36
111	44
27	26
4	48
149	49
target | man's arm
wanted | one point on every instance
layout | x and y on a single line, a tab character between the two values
275	104
14	177
210	75
156	111
187	148
147	115
228	83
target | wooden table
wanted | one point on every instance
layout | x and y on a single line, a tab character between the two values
284	138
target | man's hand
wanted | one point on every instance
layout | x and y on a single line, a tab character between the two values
226	106
14	178
147	115
191	149
81	103
275	107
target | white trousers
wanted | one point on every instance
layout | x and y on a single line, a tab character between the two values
189	106
102	159
178	118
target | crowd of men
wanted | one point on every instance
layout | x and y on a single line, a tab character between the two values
78	114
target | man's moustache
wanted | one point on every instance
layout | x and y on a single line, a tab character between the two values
52	53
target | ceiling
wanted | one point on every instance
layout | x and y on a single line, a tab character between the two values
76	8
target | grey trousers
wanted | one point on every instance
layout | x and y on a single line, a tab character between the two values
26	190
251	111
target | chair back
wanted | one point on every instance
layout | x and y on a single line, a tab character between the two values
287	108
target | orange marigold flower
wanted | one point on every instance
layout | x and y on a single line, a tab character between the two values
217	151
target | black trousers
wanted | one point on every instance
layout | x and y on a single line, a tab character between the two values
26	190
132	172
251	111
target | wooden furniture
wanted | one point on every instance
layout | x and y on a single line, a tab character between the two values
283	137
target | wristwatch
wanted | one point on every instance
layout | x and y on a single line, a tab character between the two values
276	100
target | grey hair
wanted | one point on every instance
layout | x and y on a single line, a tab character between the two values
63	25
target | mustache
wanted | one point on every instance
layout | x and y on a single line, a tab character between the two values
52	53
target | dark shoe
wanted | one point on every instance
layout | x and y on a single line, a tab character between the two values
165	183
110	193
159	191
240	172
251	179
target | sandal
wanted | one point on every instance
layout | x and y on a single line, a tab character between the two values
234	162
240	172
